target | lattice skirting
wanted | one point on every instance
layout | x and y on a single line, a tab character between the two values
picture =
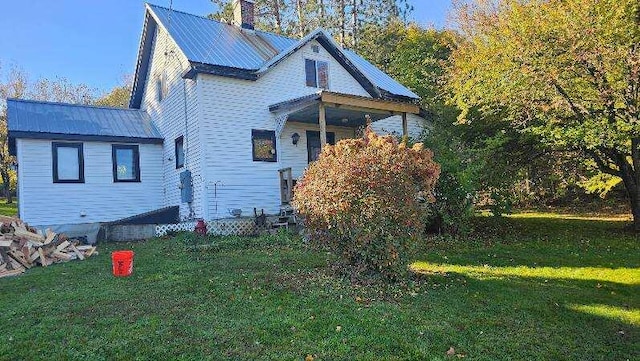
221	227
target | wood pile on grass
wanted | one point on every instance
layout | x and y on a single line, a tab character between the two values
22	247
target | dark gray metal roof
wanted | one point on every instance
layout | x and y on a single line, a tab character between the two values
46	120
223	49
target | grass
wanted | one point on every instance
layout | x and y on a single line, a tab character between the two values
8	209
522	288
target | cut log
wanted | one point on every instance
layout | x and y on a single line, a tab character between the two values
50	236
77	252
22	232
63	245
43	259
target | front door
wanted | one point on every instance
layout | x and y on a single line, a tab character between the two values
313	144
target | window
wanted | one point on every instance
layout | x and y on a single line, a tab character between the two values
126	163
313	144
264	145
68	163
317	73
179	152
162	87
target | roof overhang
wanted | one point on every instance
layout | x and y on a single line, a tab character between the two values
341	109
13	135
348	101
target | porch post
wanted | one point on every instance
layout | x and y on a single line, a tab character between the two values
405	131
322	120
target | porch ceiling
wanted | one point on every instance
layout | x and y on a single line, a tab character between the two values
341	109
335	116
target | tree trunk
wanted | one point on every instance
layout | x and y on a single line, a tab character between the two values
343	23
301	18
277	16
6	180
354	23
630	177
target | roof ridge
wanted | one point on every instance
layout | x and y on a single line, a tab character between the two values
216	21
70	104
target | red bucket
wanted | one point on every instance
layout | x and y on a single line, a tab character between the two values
122	263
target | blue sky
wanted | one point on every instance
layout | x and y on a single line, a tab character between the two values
96	42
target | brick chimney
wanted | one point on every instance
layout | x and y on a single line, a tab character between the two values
243	13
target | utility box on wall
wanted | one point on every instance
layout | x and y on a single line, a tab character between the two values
186	188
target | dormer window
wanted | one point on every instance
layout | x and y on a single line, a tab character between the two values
317	73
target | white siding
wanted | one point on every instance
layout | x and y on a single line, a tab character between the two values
231	108
173	121
43	202
393	125
296	156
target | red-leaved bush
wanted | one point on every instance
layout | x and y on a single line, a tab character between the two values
365	200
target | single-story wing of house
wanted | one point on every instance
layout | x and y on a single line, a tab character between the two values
222	120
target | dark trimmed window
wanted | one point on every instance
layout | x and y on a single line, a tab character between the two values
179	145
126	163
68	162
263	143
317	73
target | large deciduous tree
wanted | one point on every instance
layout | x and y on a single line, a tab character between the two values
567	71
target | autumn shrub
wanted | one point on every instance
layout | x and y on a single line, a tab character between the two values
365	199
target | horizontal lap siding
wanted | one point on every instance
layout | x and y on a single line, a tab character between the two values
230	108
393	125
169	117
296	156
43	202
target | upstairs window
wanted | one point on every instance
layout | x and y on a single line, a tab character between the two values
317	73
68	162
126	163
162	87
263	144
179	152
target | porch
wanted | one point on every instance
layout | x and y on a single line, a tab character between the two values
306	124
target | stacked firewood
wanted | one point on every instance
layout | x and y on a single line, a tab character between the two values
22	247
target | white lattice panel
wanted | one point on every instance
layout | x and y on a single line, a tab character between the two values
222	227
163	229
231	226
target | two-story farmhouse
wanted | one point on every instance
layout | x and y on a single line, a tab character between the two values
223	118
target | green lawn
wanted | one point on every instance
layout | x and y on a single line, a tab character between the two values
8	209
534	288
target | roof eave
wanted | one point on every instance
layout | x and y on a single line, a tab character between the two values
226	71
16	134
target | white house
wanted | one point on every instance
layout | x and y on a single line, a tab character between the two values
223	118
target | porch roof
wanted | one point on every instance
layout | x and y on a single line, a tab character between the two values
341	109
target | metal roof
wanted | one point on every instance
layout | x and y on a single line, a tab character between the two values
47	120
211	42
378	77
228	50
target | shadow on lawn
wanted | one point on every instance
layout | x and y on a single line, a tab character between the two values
540	242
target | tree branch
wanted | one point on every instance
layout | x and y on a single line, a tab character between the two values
603	164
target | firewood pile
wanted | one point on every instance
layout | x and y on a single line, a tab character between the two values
22	247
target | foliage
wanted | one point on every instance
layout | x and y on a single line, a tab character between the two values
361	199
118	96
567	72
343	18
515	299
15	83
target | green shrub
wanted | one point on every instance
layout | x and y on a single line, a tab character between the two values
365	200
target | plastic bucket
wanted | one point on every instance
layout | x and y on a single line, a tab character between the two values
122	263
